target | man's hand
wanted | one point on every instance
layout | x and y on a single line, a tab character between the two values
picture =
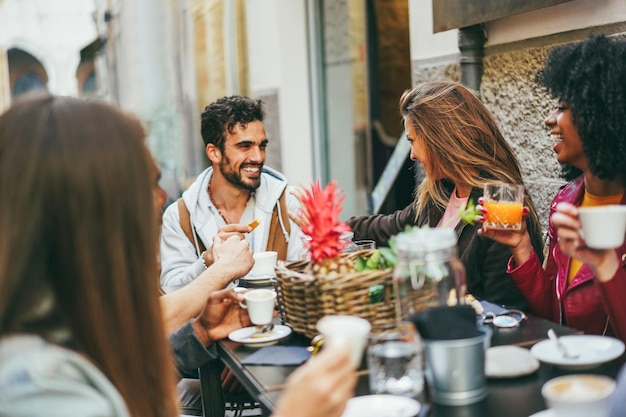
297	217
224	234
233	257
221	315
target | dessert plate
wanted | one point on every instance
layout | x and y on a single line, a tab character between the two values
381	406
592	351
244	335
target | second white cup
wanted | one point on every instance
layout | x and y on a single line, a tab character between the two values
264	264
603	227
260	304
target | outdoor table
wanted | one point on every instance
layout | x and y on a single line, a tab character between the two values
515	397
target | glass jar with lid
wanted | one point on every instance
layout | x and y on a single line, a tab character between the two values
428	272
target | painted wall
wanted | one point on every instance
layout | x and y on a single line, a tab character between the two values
565	17
53	32
577	14
277	47
142	43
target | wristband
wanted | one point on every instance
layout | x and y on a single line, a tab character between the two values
203	261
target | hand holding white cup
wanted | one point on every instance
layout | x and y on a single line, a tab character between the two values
260	305
603	227
342	330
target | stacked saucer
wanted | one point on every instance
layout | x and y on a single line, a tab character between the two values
252	281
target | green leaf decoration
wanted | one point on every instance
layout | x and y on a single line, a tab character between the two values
359	264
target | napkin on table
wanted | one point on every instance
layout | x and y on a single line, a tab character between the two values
278	355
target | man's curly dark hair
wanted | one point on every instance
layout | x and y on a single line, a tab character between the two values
591	77
221	117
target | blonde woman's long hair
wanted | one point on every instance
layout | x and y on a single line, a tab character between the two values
462	140
77	242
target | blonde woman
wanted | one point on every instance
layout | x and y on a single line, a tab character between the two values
456	140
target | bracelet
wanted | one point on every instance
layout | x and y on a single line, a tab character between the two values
203	261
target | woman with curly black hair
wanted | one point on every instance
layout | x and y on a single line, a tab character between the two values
580	287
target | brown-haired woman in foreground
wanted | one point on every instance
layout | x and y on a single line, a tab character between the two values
456	139
78	300
80	326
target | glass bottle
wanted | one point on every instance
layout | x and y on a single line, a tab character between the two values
428	272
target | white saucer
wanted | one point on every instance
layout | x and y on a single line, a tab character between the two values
543	413
592	350
243	336
509	362
260	277
381	406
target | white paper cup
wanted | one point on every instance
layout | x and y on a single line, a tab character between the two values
603	227
346	330
579	395
260	304
264	264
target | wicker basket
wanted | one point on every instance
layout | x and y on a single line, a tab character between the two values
303	299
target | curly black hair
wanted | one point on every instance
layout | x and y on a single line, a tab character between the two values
224	114
591	77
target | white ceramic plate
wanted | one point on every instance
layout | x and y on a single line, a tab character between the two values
243	335
381	406
592	350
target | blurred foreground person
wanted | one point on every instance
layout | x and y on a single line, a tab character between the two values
81	332
80	324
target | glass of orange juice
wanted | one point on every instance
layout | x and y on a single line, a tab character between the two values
503	203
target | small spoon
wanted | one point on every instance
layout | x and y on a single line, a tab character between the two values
560	346
262	330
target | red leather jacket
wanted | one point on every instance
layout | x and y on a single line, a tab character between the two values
587	305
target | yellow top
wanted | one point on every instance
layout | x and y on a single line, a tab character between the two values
591	201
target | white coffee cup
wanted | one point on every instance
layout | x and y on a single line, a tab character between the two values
264	264
346	330
579	395
260	304
603	227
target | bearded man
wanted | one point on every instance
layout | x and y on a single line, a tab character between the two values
228	196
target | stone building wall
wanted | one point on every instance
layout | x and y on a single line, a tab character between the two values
520	107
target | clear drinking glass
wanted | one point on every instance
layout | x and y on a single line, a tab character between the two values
365	244
504	204
395	363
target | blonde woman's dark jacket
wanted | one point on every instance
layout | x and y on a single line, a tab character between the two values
485	260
